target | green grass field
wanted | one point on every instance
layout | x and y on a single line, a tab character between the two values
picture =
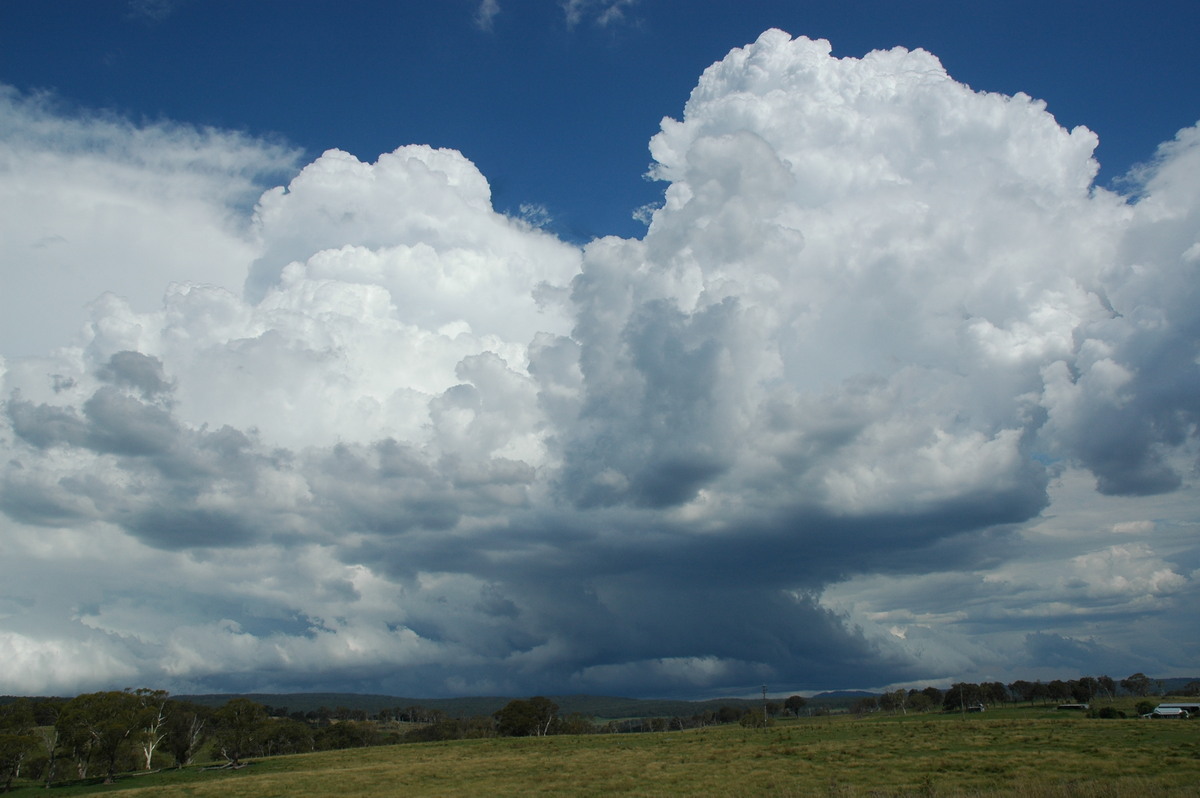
1010	752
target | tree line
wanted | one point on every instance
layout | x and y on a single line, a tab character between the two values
539	717
97	735
964	696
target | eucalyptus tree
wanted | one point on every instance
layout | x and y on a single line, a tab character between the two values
1139	684
100	727
239	726
1024	690
895	701
17	740
46	714
535	717
153	715
187	725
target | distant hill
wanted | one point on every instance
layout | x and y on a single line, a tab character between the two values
606	707
596	706
1173	686
601	707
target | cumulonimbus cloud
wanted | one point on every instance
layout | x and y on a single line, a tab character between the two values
433	449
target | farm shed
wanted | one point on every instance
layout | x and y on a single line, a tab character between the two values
1167	712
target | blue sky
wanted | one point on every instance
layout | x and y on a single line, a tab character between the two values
351	346
558	113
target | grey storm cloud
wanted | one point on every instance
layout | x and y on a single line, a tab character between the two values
826	423
45	425
135	370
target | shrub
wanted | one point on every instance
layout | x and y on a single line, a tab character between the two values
756	719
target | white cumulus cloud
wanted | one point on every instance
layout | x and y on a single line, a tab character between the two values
813	428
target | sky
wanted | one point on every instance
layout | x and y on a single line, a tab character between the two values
629	347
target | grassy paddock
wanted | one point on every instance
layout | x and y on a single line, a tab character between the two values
1006	753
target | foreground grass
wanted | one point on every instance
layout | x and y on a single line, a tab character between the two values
1007	755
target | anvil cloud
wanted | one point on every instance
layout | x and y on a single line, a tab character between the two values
889	391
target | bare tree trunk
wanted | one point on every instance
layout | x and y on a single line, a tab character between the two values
153	734
195	733
49	738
